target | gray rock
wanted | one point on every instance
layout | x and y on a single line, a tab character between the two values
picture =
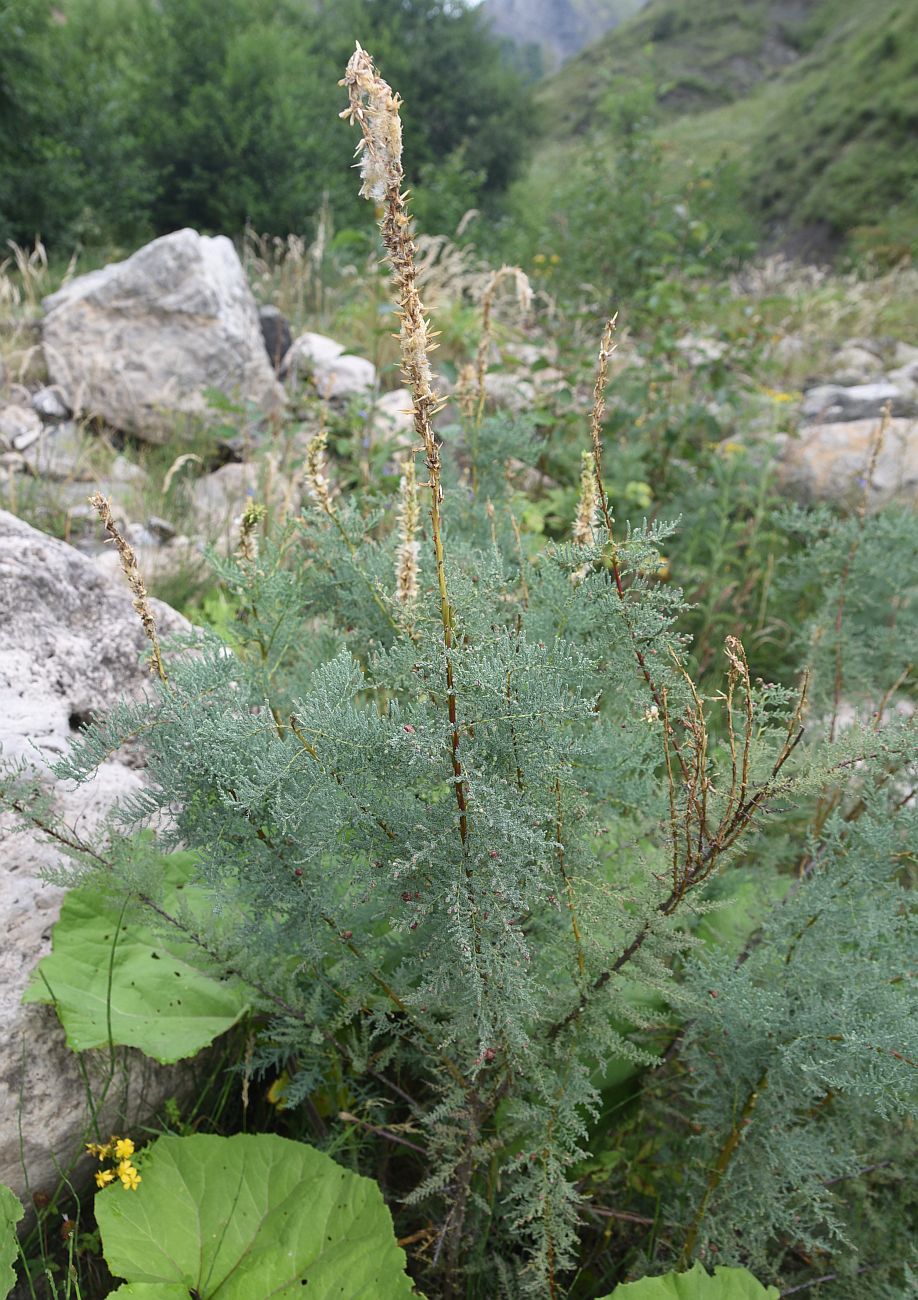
829	461
20	426
60	452
161	529
155	559
511	392
905	352
905	378
220	498
70	645
335	373
700	350
138	342
828	403
854	364
49	403
392	418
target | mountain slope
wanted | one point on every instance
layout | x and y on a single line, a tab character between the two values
558	28
816	101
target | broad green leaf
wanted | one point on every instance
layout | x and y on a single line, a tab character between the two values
11	1212
250	1215
152	1291
113	979
726	1284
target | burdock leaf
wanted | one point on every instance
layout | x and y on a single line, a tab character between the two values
250	1215
697	1284
115	980
11	1212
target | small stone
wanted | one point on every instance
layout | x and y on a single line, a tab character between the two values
828	403
510	392
392	417
853	364
49	404
701	350
335	373
905	378
220	498
161	528
140	535
20	426
60	453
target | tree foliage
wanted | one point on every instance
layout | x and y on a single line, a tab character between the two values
123	120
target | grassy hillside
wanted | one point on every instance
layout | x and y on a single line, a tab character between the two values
816	100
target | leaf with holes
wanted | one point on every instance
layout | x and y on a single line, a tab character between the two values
114	979
11	1212
250	1215
697	1284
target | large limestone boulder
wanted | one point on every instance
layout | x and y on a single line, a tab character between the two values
70	645
828	462
138	342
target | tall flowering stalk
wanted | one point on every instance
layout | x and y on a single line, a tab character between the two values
524	301
584	530
131	571
408	552
375	109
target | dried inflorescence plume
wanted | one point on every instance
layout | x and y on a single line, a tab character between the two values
316	472
606	348
465	390
407	555
103	508
375	109
524	301
247	545
584	530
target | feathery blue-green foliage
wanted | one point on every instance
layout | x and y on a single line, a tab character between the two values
486	961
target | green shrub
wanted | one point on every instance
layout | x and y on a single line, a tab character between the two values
467	822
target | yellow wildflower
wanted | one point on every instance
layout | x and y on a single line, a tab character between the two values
539	259
101	1151
124	1148
777	396
104	1177
130	1178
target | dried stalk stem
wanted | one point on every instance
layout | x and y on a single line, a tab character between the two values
129	567
375	109
523	297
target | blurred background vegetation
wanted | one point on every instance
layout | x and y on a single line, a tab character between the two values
688	134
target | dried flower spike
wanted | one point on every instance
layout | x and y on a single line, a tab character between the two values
316	474
524	302
584	530
409	548
131	571
247	545
374	107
